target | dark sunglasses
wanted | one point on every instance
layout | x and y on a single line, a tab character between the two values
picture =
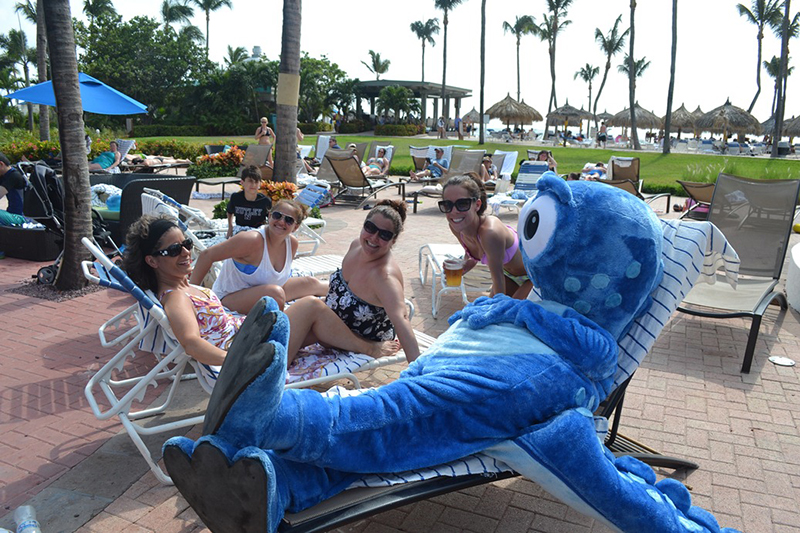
461	205
277	215
175	249
372	229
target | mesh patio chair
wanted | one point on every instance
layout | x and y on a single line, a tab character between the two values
630	186
353	185
701	194
756	217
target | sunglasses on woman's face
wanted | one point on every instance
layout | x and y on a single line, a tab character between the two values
461	205
175	249
372	229
277	215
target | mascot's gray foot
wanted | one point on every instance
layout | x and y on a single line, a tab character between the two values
248	358
228	495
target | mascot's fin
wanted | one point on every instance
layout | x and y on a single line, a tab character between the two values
566	458
250	385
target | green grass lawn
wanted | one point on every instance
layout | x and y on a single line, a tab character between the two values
658	172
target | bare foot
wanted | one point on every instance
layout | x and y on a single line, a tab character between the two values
412	175
385	349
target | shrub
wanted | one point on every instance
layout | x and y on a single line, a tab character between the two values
278	190
398	130
220	209
217	165
355	126
310	128
171	148
33	150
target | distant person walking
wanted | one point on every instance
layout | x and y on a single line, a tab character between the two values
459	128
602	135
440	128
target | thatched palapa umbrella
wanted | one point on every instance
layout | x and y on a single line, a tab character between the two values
681	119
472	115
566	113
537	117
604	116
791	127
697	113
509	110
644	118
726	119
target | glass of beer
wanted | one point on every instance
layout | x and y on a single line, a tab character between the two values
453	269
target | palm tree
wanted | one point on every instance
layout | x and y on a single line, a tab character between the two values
194	33
639	66
446	6
552	24
35	15
378	66
481	138
773	68
173	11
425	32
780	100
18	52
668	118
587	73
762	13
95	9
794	30
396	98
212	5
288	92
633	72
77	198
524	25
611	44
236	56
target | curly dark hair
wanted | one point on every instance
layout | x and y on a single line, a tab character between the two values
133	259
394	210
474	186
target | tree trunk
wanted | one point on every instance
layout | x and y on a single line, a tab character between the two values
77	201
553	102
41	66
668	120
632	83
781	99
288	93
444	73
481	137
423	60
28	105
758	70
600	90
208	24
518	89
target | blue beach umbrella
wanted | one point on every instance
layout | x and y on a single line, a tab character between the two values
96	97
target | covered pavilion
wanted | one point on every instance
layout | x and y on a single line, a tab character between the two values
422	90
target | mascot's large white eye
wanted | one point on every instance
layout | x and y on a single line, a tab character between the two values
537	224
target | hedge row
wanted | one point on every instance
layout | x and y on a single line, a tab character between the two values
356	126
399	130
310	128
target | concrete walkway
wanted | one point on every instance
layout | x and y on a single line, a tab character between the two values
688	399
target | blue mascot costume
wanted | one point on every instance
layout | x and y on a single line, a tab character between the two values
516	380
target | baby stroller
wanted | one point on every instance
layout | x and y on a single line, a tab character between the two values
43	202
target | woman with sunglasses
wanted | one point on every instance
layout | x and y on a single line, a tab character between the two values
367	293
484	237
259	263
158	258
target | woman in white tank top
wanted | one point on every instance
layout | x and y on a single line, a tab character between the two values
259	263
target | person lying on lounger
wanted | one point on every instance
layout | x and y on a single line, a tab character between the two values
158	258
377	166
107	160
154	160
434	169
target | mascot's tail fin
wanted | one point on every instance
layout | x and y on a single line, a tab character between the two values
565	456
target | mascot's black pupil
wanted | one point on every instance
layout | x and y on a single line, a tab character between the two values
532	224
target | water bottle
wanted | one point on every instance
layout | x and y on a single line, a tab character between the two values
25	517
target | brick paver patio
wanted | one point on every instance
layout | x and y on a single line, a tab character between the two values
688	399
